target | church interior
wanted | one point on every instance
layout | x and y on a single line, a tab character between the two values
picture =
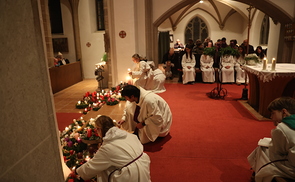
93	34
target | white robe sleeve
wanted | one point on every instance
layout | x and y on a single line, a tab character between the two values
94	166
143	68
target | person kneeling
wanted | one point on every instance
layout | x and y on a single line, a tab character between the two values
146	113
278	158
120	157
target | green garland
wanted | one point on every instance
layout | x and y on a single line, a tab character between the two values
228	51
209	51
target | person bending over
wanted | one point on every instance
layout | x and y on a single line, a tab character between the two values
120	157
146	113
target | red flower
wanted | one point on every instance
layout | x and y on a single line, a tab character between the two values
87	94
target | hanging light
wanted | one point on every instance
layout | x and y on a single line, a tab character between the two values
201	1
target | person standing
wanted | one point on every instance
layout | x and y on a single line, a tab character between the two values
146	113
278	159
188	63
119	158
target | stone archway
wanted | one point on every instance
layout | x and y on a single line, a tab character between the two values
271	10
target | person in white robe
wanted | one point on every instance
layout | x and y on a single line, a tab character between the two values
278	159
119	158
240	61
141	73
154	118
227	69
188	63
208	73
158	81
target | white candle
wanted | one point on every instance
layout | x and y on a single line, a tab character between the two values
273	64
264	64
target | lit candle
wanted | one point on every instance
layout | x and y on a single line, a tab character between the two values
273	64
264	64
87	158
129	70
66	128
79	102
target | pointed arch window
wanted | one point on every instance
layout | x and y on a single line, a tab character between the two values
264	32
196	29
100	15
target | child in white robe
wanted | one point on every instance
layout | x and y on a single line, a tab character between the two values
277	160
207	68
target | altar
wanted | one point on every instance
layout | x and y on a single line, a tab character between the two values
266	85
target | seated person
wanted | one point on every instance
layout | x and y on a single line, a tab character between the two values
278	159
56	62
208	73
240	61
227	69
118	149
61	60
173	58
188	63
146	113
168	69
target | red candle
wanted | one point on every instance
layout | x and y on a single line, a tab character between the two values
89	133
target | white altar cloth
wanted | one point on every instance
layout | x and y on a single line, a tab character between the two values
282	70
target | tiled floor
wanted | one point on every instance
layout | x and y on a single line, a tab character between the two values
66	100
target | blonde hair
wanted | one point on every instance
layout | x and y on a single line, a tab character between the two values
137	56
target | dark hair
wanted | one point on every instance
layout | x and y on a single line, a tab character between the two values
130	90
261	55
243	52
280	103
104	123
191	52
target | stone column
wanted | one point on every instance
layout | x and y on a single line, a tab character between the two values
75	17
29	135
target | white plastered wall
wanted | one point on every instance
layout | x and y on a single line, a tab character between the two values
89	34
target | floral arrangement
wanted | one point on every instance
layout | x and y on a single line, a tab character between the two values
253	57
94	101
79	143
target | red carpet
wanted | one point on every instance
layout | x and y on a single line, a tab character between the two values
65	119
209	139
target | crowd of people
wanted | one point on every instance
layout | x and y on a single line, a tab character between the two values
184	61
147	116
